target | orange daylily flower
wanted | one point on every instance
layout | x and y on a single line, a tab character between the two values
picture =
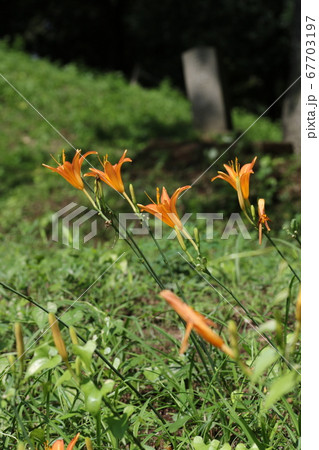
263	218
165	208
112	173
195	320
71	171
238	177
59	444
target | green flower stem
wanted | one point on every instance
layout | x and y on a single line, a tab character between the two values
282	256
98	430
249	219
134	208
136	249
90	198
144	222
189	237
295	338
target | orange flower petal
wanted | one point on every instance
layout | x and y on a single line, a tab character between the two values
73	442
112	173
165	209
175	197
233	174
58	445
71	172
193	320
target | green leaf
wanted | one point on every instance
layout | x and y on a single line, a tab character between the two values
128	410
45	357
85	353
178	424
66	376
93	395
280	387
93	398
38	435
199	444
40	317
117	426
41	364
107	387
151	374
73	317
266	358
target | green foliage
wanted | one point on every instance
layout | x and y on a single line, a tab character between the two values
263	130
100	112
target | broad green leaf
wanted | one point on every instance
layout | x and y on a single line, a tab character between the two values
4	363
52	307
65	377
85	353
266	358
93	395
280	387
226	447
93	398
270	326
128	410
38	435
107	387
199	444
151	374
39	364
178	424
73	316
40	317
118	426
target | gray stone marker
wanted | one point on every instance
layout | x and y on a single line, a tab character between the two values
204	89
291	118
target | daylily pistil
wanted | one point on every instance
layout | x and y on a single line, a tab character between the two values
197	322
71	171
165	207
112	173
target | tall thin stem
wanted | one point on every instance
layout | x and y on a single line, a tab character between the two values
282	256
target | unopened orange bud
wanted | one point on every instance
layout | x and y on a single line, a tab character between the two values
73	335
88	443
19	341
58	341
298	307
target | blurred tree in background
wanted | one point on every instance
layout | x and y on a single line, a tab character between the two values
145	39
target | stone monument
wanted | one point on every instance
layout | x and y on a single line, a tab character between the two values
204	90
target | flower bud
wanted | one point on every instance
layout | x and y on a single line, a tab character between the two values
131	188
88	443
73	335
180	239
58	341
19	341
298	307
